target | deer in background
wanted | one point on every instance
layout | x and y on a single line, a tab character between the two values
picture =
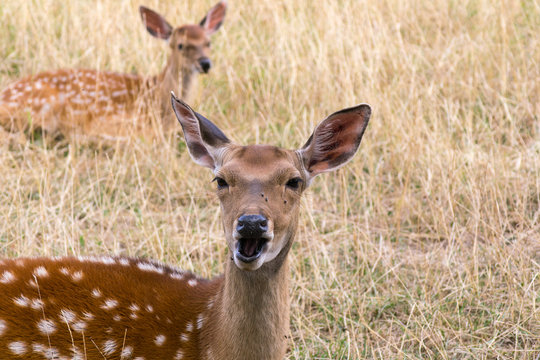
127	308
107	105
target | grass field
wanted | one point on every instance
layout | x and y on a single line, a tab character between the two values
426	246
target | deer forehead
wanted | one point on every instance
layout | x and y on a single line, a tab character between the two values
192	33
260	163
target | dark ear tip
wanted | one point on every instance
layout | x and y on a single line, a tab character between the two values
175	101
364	110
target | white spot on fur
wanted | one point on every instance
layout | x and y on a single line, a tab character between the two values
139	358
80	101
150	267
18	347
37	304
179	355
96	293
38	85
7	277
41	272
32	283
127	352
160	340
192	282
46	327
109	347
124	262
133	316
184	337
107	260
76	353
67	316
64	271
189	326
199	321
134	307
117	317
79	326
177	276
45	109
109	304
149	308
77	276
3	327
119	93
50	353
88	316
22	301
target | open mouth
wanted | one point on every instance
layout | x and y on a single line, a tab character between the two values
250	249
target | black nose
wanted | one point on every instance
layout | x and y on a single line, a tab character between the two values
252	226
205	64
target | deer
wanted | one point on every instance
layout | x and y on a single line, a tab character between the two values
134	308
106	105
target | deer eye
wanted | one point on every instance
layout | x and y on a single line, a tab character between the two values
221	184
294	183
208	44
180	46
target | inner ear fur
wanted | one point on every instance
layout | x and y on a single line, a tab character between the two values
214	18
202	136
156	24
335	140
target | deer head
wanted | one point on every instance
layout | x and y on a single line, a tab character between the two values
260	186
190	43
190	49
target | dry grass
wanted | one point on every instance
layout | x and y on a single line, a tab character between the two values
426	246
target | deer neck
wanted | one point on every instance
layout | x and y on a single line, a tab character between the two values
177	76
250	316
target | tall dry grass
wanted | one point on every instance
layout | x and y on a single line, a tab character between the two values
426	246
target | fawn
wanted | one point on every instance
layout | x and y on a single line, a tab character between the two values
105	105
128	308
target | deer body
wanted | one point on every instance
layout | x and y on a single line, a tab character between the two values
108	105
123	308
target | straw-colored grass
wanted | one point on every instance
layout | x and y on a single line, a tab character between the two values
426	246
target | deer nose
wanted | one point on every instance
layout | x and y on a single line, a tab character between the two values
252	226
205	64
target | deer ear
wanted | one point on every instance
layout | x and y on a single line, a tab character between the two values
335	140
214	18
203	138
155	24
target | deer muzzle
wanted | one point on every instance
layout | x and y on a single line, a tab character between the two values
251	235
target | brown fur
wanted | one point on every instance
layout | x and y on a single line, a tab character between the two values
174	304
